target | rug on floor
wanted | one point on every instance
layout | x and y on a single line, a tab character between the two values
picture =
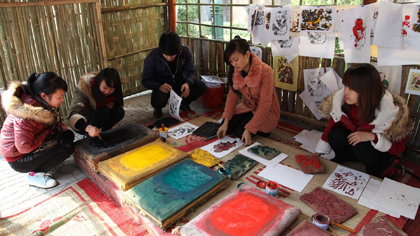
82	209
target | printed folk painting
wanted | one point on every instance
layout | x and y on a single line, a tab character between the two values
317	18
346	181
413	82
286	73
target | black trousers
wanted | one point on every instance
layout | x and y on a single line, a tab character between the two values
44	160
374	160
104	117
237	125
160	99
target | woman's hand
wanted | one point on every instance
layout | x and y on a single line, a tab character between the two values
63	127
360	136
221	132
110	105
92	131
246	137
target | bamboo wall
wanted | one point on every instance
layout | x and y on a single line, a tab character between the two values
63	37
208	58
131	29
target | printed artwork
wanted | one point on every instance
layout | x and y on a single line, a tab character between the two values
413	82
174	104
406	25
359	31
389	25
289	48
398	197
317	36
259	15
182	130
281	22
313	84
347	182
286	73
317	18
416	25
222	147
257	51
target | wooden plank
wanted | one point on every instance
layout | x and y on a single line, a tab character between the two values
300	86
220	60
212	59
126	8
45	3
304	118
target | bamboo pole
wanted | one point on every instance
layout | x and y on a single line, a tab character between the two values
44	3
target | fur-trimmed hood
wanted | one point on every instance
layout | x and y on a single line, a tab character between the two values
17	101
85	87
253	79
392	121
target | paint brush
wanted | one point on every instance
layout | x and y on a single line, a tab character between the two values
342	226
221	166
335	234
213	136
99	136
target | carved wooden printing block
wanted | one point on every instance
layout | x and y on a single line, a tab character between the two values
327	203
310	164
265	152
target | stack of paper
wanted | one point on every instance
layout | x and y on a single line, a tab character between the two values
392	198
308	139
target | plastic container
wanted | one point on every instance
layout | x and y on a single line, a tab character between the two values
213	97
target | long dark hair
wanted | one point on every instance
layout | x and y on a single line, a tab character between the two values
235	45
47	82
112	79
366	81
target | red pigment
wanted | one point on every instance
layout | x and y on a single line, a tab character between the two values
381	228
246	214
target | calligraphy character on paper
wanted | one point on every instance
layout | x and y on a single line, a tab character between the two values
346	182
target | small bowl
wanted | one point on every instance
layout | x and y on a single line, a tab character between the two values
261	184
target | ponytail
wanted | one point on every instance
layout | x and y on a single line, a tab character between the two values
47	83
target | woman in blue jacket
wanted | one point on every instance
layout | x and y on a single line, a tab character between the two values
171	66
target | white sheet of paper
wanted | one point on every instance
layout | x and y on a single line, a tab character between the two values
375	7
330	80
286	176
276	160
181	130
389	26
368	195
409	18
215	147
347	182
317	44
355	26
317	36
413	82
174	104
396	57
250	10
285	47
281	22
214	79
312	102
398	197
308	139
311	79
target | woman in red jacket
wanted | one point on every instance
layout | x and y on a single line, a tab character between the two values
252	81
366	122
33	139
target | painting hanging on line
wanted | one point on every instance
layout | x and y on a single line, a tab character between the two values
286	73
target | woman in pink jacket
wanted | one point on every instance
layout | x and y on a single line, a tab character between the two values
251	81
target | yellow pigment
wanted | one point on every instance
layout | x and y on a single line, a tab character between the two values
204	157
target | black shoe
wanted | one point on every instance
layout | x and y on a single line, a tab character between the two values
185	108
157	113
